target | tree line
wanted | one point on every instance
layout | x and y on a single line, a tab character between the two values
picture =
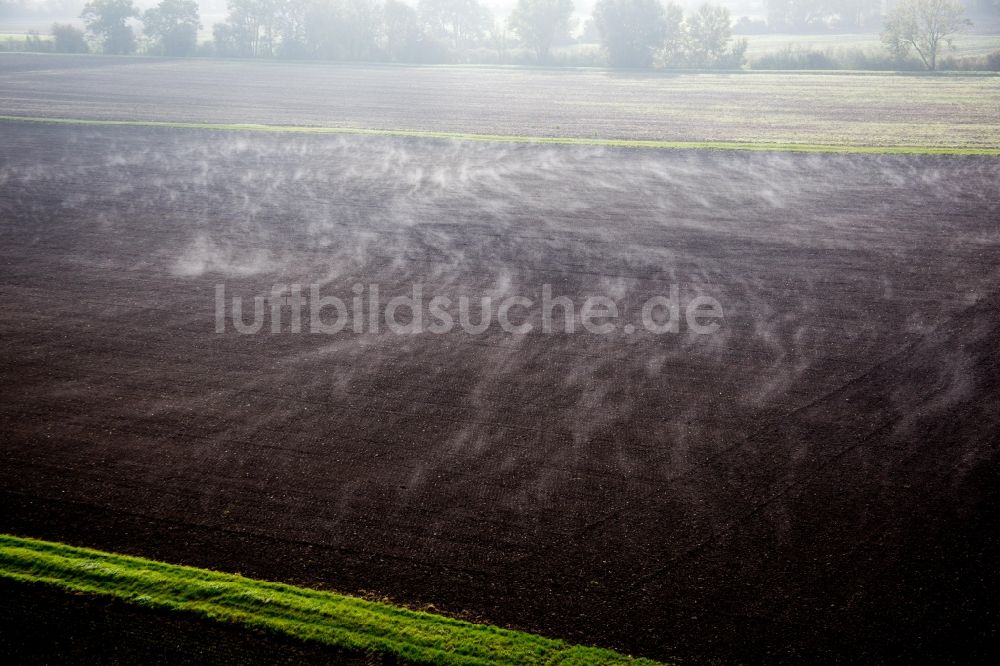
806	15
632	33
636	33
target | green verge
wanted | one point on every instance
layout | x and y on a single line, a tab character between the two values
503	138
343	622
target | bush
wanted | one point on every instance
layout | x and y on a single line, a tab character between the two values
793	57
205	50
987	63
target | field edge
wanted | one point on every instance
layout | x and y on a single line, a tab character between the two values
504	138
339	621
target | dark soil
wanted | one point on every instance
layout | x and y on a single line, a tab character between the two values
818	481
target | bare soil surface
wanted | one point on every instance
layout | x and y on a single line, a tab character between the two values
816	481
832	108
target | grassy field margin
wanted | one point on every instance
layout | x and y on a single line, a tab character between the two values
344	622
503	138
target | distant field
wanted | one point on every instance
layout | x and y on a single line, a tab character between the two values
965	45
515	139
21	37
842	109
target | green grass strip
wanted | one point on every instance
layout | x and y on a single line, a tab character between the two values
344	622
503	138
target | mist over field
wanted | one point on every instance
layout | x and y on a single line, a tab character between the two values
154	219
597	332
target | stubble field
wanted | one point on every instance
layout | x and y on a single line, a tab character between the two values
815	481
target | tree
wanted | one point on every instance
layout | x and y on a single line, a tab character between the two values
68	39
108	20
174	25
856	14
343	29
923	26
632	31
538	22
709	31
291	22
460	22
673	51
499	38
251	28
400	35
796	14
